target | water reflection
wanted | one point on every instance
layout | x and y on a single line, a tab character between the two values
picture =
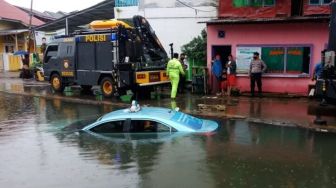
255	109
40	137
259	156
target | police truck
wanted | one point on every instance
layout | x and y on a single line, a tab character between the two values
115	55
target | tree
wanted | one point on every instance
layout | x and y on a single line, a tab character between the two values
196	49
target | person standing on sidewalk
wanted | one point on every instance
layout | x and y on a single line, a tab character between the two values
318	69
224	81
257	67
217	69
231	74
174	69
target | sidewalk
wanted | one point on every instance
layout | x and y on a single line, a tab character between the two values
294	112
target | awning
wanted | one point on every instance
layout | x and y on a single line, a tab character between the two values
12	32
100	11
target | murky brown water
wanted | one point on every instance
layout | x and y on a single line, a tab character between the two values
39	147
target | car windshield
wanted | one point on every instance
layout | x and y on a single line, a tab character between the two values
187	120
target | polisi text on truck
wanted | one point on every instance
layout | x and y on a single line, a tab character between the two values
95	38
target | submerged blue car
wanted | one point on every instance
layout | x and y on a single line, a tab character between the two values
150	119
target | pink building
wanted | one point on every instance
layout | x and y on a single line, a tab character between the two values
289	36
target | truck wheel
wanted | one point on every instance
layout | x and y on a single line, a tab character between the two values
56	83
86	88
106	86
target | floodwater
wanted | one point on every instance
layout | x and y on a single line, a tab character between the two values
41	147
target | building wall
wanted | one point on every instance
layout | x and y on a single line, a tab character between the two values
1	44
9	62
309	10
6	25
176	25
282	8
227	9
312	34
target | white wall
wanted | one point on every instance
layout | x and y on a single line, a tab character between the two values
176	25
1	62
5	62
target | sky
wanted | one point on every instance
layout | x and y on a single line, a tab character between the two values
55	5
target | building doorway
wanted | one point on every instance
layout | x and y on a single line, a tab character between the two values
223	51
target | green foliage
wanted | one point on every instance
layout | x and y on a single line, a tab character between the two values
36	62
196	49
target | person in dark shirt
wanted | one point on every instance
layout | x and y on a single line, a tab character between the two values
25	72
44	45
231	74
318	69
182	77
217	69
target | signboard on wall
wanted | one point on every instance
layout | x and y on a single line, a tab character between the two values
244	57
39	35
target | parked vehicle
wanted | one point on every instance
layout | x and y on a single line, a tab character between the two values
120	57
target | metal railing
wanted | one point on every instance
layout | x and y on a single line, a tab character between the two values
126	3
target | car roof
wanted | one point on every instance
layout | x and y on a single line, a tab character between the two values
172	118
144	113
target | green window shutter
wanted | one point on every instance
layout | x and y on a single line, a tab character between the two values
294	60
256	3
269	2
239	3
274	59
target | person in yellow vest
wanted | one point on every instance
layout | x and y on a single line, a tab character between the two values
174	69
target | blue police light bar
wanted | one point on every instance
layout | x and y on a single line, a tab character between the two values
113	37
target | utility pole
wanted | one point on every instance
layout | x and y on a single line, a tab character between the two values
30	26
31	14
